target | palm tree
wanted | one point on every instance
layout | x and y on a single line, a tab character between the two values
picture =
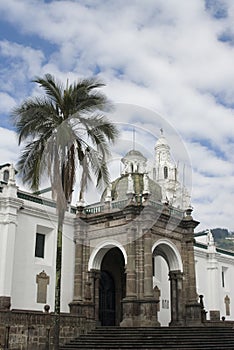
62	131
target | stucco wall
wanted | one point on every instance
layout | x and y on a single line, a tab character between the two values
33	218
209	268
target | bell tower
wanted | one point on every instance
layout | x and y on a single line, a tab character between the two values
165	173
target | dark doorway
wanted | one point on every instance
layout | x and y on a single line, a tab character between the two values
107	299
111	288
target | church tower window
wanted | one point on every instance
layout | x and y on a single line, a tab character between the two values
165	172
6	175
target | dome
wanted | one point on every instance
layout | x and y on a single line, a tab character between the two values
134	179
134	154
134	162
119	188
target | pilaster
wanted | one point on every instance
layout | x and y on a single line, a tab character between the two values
9	207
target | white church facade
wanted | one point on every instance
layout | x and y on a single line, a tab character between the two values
133	259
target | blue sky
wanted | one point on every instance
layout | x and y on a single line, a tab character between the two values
165	64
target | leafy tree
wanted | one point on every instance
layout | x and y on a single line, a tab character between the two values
64	130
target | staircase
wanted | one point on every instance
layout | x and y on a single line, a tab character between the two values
163	338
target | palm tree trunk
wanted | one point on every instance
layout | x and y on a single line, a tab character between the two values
58	280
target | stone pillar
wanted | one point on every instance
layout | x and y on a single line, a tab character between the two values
76	306
95	277
131	265
177	305
129	305
191	275
147	306
78	271
148	271
193	310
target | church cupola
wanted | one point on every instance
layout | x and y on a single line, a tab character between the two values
134	162
134	181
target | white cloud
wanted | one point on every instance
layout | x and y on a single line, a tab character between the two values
9	149
165	57
6	102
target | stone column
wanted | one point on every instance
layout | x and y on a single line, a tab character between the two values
148	304
177	305
148	271
193	310
129	302
131	265
76	306
173	287
78	271
191	278
96	280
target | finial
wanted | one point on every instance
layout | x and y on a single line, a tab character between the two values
210	237
161	130
108	193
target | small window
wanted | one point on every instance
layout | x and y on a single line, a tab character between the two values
223	279
6	175
165	172
40	245
224	276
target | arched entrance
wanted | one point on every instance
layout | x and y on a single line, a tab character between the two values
111	287
170	292
110	261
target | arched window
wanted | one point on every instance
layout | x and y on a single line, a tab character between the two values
132	167
165	172
6	175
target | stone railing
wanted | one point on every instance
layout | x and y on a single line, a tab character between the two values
100	207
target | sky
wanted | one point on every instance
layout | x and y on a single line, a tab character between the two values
166	64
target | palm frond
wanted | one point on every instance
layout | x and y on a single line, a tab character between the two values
64	130
34	118
53	89
30	164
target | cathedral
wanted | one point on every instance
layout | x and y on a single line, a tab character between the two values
133	259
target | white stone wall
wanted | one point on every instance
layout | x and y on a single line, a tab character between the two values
209	267
161	280
18	264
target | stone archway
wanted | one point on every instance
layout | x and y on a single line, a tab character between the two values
168	251
108	261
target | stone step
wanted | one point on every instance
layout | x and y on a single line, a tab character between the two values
218	338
